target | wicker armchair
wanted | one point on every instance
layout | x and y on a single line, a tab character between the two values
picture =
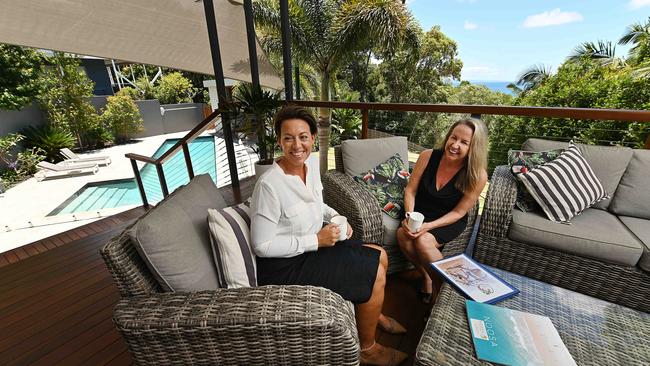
269	325
627	286
364	214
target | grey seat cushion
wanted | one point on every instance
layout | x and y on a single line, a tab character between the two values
608	162
594	233
640	228
390	229
359	156
632	198
173	238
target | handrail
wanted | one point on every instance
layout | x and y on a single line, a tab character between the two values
474	110
554	112
142	158
195	132
182	144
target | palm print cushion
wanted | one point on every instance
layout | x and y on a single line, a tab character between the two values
521	161
386	182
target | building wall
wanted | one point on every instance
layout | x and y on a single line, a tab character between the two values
158	119
15	121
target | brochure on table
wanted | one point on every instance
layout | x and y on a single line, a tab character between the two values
512	337
474	280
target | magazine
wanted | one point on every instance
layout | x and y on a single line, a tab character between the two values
512	337
473	280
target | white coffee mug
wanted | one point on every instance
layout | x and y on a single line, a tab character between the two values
415	221
342	223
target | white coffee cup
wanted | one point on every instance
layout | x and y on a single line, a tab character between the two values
415	221
342	223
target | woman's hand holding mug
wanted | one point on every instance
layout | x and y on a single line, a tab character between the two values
328	235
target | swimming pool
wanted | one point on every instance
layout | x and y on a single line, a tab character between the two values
124	192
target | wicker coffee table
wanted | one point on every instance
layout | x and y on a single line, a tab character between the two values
595	332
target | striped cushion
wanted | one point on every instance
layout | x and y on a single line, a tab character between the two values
564	187
231	248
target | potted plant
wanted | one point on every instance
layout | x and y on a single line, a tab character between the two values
255	109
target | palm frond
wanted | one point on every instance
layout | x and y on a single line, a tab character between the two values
635	33
357	23
303	41
638	35
602	52
514	88
533	77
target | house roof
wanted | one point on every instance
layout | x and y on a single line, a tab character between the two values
170	33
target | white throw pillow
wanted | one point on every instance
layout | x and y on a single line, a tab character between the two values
231	246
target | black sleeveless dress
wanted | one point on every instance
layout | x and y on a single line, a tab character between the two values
433	203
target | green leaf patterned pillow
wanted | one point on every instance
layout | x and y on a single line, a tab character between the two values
386	182
521	161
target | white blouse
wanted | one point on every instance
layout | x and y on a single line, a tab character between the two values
286	214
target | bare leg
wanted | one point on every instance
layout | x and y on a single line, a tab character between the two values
388	324
427	248
409	249
367	316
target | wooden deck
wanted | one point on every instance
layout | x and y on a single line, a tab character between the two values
56	300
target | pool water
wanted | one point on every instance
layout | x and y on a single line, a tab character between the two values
124	192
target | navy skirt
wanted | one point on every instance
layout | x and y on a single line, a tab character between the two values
348	268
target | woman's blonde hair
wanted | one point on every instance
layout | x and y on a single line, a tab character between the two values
470	174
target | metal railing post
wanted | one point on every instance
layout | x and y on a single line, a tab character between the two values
286	48
211	22
161	177
138	179
188	160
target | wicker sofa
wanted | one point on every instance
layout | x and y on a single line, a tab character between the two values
268	325
603	253
361	208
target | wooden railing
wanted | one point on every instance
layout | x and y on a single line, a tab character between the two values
478	110
474	110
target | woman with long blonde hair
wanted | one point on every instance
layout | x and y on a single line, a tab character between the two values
444	186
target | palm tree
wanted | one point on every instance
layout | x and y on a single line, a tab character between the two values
533	77
638	35
603	53
326	33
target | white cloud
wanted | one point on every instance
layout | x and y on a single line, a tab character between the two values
469	25
553	17
637	4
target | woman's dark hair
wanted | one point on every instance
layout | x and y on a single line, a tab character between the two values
292	111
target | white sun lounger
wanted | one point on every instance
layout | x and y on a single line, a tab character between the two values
49	170
72	158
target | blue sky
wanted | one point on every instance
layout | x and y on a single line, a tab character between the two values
498	39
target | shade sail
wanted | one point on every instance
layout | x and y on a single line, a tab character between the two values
170	33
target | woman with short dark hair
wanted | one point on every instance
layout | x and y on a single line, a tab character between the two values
293	248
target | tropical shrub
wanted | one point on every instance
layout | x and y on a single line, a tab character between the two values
346	124
49	139
131	93
65	94
122	117
174	88
19	69
21	164
255	109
